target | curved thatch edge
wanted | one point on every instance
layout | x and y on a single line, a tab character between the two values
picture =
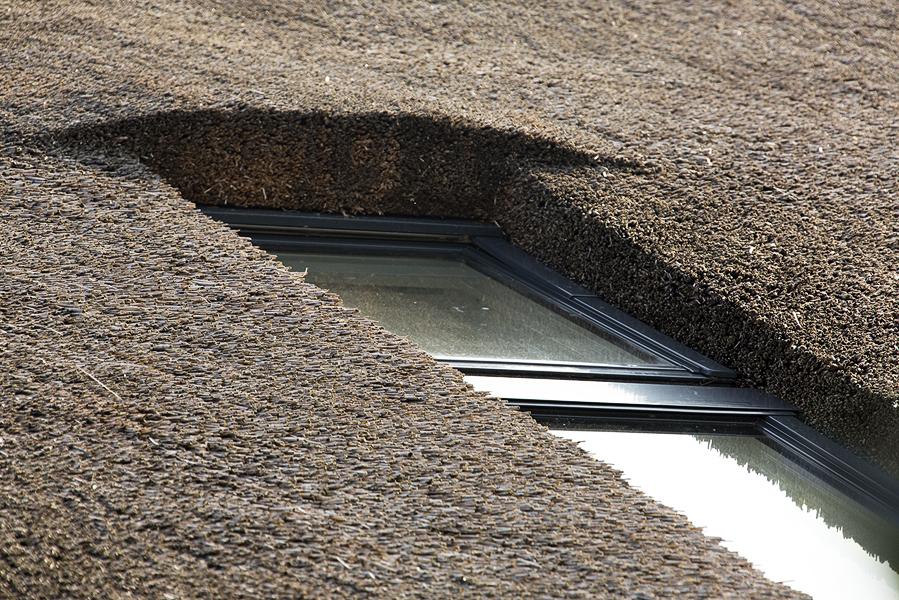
539	191
374	162
546	222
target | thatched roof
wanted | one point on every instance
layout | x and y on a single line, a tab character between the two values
183	415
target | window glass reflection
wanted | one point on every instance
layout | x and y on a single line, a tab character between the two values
455	311
788	523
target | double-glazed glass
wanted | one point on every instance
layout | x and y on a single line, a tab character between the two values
791	525
454	311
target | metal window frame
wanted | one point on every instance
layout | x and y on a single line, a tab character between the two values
696	392
484	248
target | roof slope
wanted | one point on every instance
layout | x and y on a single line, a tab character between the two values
726	173
184	416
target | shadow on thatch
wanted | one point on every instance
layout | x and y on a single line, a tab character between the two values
370	162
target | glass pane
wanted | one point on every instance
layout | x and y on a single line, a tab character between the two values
788	523
454	311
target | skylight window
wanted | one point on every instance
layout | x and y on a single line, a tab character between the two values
733	459
456	312
790	524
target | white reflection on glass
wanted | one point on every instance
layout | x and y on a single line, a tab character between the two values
786	540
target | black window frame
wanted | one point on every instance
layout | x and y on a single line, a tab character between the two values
697	393
484	248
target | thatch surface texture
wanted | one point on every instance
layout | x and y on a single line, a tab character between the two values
182	415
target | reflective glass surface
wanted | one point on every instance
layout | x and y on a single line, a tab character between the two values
788	523
454	311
